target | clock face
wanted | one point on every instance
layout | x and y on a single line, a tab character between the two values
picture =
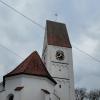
59	55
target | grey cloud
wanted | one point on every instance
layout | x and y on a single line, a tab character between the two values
8	61
23	37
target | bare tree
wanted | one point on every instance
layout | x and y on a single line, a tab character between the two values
80	93
94	95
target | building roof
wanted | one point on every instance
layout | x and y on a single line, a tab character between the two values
32	65
57	34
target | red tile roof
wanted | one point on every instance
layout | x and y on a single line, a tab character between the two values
57	34
32	65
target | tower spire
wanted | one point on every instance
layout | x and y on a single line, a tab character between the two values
57	55
57	34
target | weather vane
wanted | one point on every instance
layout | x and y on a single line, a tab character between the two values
56	16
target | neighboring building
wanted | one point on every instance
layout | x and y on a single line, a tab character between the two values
48	79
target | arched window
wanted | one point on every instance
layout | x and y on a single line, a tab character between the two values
10	97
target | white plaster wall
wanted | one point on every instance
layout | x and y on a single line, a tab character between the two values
64	91
62	69
2	96
33	86
56	67
49	96
72	90
52	51
59	70
10	84
13	82
45	96
54	97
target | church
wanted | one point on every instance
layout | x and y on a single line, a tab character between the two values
49	77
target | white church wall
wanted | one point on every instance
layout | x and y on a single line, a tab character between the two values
33	85
72	90
60	67
62	89
13	82
45	96
71	74
17	94
2	96
52	51
10	84
54	97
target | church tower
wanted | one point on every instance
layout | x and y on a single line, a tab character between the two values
57	56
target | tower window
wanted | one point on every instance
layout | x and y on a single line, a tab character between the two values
59	69
59	86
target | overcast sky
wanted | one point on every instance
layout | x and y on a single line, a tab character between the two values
82	18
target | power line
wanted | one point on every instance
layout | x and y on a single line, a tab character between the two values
11	51
15	10
97	60
26	17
